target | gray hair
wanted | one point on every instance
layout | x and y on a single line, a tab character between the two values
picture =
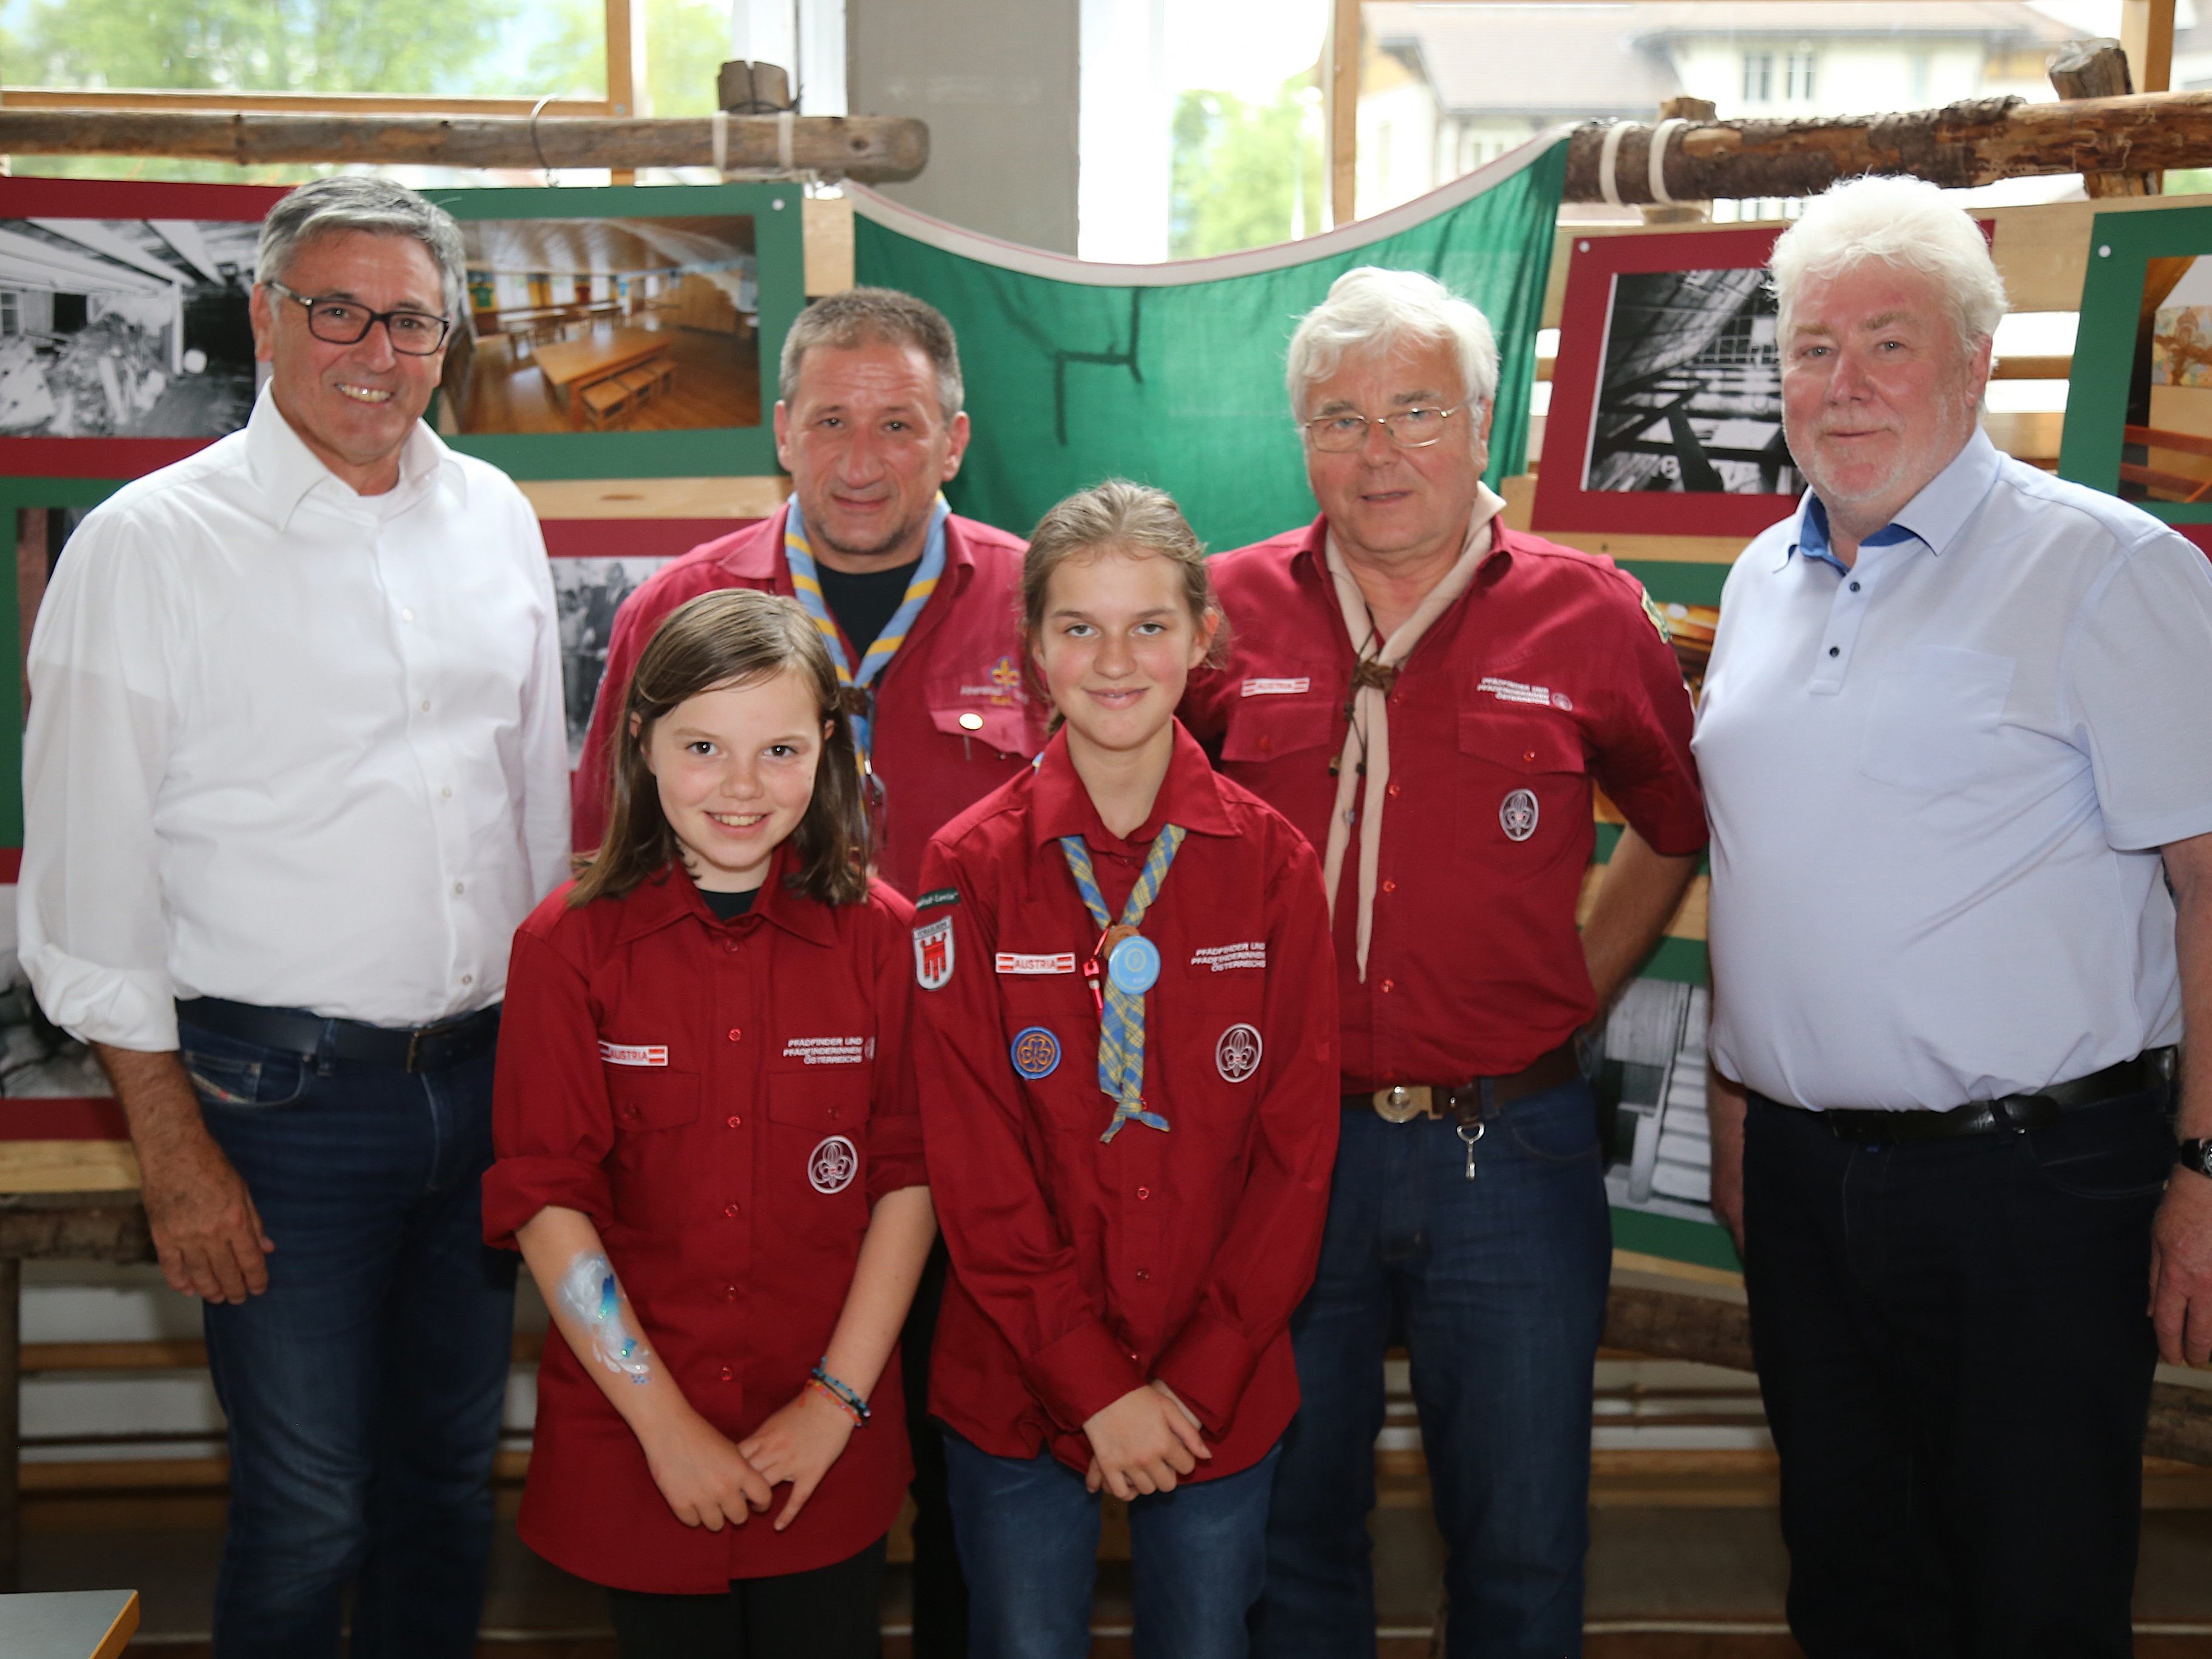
856	316
1371	309
349	201
1904	222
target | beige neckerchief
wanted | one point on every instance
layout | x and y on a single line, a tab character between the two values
1370	717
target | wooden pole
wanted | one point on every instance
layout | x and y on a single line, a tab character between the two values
626	91
1974	142
2146	32
2098	69
873	148
1340	109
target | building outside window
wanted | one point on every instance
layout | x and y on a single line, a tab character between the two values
1758	77
1797	76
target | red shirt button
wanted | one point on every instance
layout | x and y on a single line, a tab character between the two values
1143	1192
1389	886
1144	1273
731	1211
1528	754
727	1374
730	944
735	1120
1266	743
729	1293
1394	788
1385	988
736	1035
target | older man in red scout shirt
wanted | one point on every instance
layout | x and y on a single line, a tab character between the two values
918	606
1430	697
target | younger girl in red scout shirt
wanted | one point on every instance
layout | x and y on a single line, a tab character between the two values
1125	1045
709	1157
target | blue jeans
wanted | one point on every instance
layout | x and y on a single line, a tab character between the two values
363	1387
1029	1544
1497	1287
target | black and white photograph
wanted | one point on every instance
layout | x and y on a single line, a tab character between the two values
125	328
1659	1157
586	594
1690	397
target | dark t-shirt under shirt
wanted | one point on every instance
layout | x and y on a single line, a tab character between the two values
863	604
727	907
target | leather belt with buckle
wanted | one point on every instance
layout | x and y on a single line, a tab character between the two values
1404	1102
421	1048
2148	1070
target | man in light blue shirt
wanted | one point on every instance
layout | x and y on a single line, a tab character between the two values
1956	741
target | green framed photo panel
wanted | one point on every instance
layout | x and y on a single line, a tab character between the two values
683	295
2139	405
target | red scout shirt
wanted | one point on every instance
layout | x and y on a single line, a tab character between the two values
1082	1269
953	721
726	1101
1547	676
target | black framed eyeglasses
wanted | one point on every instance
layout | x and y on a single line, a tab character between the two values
341	322
1408	428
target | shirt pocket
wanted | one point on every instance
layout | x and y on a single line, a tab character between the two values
654	1170
1524	782
1273	728
818	1146
1934	719
1003	731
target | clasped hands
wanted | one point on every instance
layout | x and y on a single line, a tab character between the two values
1144	1442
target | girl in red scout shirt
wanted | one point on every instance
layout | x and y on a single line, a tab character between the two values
709	1156
1125	1048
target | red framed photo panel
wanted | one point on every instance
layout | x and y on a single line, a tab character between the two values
124	338
1666	415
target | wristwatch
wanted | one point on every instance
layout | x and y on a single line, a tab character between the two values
2194	1155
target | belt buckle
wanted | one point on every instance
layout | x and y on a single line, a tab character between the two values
1404	1102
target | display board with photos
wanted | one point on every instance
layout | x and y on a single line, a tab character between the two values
2139	403
1665	413
617	332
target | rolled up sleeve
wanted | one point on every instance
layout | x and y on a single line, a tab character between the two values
91	928
552	1125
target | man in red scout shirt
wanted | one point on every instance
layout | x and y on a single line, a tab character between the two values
1430	697
919	607
918	603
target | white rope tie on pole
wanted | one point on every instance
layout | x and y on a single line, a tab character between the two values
1608	164
1656	171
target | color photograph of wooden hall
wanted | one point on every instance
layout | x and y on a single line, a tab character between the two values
635	324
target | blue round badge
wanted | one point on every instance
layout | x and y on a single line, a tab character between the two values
1134	967
1035	1052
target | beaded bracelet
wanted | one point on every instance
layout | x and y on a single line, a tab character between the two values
839	1393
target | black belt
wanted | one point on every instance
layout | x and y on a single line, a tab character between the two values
423	1048
1464	1100
2148	1070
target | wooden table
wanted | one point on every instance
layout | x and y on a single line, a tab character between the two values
68	1625
576	363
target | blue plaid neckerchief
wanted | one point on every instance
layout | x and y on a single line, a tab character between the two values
1120	1016
806	583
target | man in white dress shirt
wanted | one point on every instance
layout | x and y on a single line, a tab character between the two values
1958	756
294	770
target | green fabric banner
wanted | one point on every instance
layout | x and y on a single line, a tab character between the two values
1173	375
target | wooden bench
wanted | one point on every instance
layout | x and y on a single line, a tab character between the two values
604	401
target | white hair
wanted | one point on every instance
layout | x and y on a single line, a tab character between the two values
1906	222
1371	309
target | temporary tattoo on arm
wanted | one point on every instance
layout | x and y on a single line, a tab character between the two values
589	1292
